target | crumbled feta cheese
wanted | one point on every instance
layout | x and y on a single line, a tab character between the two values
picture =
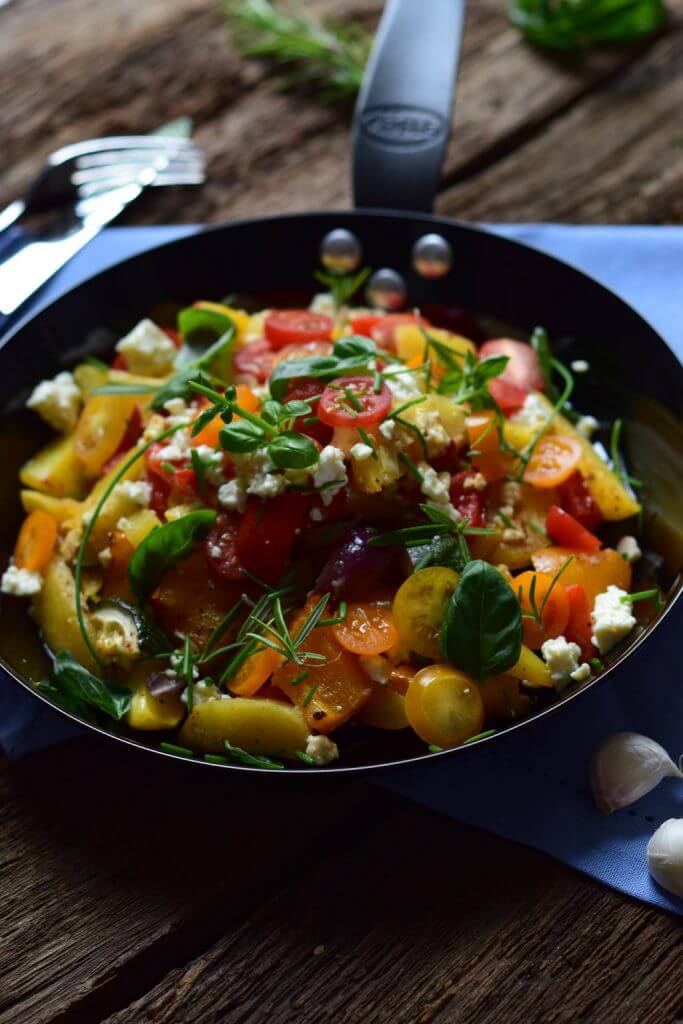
513	535
629	549
316	515
233	495
156	425
176	406
586	426
57	401
322	750
601	452
474	482
436	487
138	491
511	493
581	673
104	557
177	449
562	658
387	429
21	582
533	412
330	475
361	452
148	350
402	385
612	618
212	460
323	302
428	422
580	366
202	691
376	667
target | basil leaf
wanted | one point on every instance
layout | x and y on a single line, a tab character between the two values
241	436
353	346
571	24
296	408
489	368
207	323
443	551
178	386
318	367
482	632
75	684
290	450
206	417
165	546
271	411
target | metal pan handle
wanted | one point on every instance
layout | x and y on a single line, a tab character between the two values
402	118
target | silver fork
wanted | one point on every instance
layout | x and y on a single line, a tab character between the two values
84	169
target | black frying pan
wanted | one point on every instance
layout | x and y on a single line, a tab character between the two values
400	131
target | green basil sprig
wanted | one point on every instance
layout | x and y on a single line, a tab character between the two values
570	24
179	384
165	546
195	322
353	354
469	382
482	633
76	689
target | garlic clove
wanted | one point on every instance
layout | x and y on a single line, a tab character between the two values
665	856
625	767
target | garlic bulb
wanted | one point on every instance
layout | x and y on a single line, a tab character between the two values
665	856
625	767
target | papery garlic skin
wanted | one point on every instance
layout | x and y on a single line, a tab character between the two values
665	856
625	767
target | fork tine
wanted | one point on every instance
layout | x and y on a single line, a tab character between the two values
164	178
113	158
114	142
129	167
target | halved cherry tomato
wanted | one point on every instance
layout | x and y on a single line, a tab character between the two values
444	706
523	367
482	431
304	350
468	501
569	533
367	629
101	428
36	541
185	483
577	500
297	326
209	434
303	390
119	362
536	591
161	490
267	532
553	460
594	571
509	396
221	549
159	466
352	402
364	324
384	331
255	671
256	359
579	628
420	606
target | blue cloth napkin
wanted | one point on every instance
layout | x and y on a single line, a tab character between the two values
530	787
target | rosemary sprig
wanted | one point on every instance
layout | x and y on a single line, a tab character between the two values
438	525
342	286
325	53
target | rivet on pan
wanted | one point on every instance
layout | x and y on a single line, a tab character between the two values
432	256
386	289
340	251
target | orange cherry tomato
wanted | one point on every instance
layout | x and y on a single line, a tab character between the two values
367	629
482	432
553	460
444	706
594	570
255	671
36	542
209	434
579	627
534	591
504	699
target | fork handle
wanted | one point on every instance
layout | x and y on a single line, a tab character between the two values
11	214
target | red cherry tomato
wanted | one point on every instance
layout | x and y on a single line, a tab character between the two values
175	336
267	532
468	501
352	402
302	390
509	396
119	362
365	324
158	465
577	500
221	549
568	532
303	351
523	368
579	627
297	326
158	501
185	482
384	331
256	359
133	432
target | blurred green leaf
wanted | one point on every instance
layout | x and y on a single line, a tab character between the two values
572	24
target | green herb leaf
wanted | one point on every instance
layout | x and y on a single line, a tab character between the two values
342	286
165	546
179	384
290	450
241	436
317	367
572	24
354	346
207	324
77	683
482	633
254	760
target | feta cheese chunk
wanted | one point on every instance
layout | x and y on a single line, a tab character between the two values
138	491
562	658
361	452
322	750
387	429
587	425
233	495
21	582
612	618
330	475
533	412
402	385
147	350
629	549
436	487
580	366
57	401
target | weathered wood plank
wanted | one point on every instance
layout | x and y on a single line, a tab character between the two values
114	869
430	921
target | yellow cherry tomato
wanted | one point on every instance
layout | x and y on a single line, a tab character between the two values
36	541
444	706
101	428
420	606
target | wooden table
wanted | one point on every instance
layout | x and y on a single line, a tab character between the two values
131	896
